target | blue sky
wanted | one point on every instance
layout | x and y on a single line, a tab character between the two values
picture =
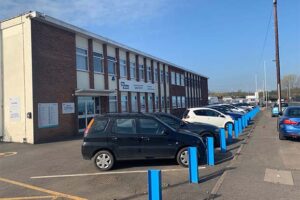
221	39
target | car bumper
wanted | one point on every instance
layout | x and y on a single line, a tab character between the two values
290	133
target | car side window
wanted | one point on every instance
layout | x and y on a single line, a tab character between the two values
212	113
200	112
124	126
99	126
149	126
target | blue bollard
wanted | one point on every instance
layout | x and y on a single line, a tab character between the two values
193	165
240	126
210	151
229	133
236	128
222	140
154	185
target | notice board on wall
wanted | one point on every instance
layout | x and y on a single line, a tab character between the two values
47	115
14	109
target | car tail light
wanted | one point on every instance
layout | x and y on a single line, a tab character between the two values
86	131
289	122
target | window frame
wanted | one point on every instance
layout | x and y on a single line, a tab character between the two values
86	59
101	61
114	61
124	66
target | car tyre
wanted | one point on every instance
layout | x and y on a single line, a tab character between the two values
104	160
281	137
182	157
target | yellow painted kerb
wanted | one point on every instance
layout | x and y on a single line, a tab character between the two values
55	194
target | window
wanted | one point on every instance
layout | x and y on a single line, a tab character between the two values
168	102
167	77
112	104
124	126
173	122
132	70
150	103
179	101
174	102
200	112
133	103
182	79
99	125
124	103
177	79
81	59
149	74
141	72
173	81
143	104
123	68
156	75
98	62
149	126
156	103
111	62
162	77
162	102
183	101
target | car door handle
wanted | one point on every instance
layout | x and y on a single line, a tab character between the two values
114	138
144	138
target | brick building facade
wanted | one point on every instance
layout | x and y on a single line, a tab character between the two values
67	75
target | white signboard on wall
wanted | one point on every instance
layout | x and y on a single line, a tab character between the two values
14	109
68	108
47	115
135	86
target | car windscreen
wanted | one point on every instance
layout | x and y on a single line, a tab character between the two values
293	112
173	122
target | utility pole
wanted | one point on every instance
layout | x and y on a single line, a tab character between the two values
266	91
277	54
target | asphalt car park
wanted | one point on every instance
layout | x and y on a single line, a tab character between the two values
57	169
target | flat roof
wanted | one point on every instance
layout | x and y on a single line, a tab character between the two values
45	18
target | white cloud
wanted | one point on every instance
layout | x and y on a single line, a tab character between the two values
81	12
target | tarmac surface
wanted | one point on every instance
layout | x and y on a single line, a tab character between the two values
249	170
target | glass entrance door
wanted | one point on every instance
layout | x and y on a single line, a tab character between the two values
87	108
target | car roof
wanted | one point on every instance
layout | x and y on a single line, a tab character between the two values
122	115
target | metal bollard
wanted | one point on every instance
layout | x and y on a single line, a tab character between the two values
193	165
210	151
236	128
229	133
222	140
154	185
240	126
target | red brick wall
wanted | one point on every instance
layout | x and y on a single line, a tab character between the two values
54	77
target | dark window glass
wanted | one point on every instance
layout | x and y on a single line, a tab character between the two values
149	126
185	114
124	126
97	61
292	112
174	123
99	125
200	112
212	113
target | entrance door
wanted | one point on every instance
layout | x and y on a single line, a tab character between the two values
87	108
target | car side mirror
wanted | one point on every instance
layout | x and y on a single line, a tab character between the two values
280	113
221	116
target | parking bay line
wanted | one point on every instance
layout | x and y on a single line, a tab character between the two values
107	173
56	194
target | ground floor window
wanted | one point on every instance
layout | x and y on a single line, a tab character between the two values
156	103
124	103
150	103
143	103
162	102
178	101
112	104
174	102
133	103
183	101
168	102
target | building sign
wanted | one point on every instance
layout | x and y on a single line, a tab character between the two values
68	108
134	86
47	115
14	109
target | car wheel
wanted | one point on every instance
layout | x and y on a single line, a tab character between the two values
104	160
183	157
281	137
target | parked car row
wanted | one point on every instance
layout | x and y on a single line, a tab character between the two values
136	136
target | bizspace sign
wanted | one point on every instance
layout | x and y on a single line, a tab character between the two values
134	86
